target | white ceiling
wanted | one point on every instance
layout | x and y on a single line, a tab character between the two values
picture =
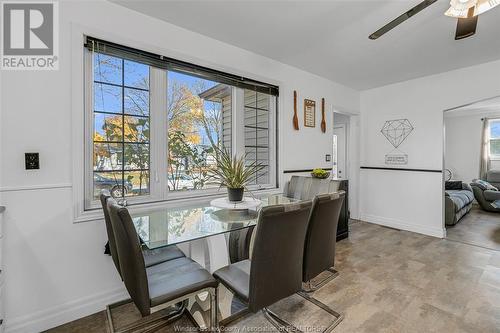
330	38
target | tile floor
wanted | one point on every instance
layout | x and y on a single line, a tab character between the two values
390	281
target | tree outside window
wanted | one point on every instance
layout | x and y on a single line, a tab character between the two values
121	126
195	129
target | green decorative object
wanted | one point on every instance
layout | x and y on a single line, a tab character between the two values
232	173
320	173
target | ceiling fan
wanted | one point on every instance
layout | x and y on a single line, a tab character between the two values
466	12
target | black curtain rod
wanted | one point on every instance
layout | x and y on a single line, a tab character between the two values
164	62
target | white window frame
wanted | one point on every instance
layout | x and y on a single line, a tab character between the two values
158	120
160	197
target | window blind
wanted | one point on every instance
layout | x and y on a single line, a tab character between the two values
160	61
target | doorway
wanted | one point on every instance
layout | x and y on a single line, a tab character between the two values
340	145
471	169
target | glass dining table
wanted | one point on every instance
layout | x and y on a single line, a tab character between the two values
170	226
203	232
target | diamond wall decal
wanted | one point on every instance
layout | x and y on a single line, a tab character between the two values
396	131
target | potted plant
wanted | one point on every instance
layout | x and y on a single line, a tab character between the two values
232	173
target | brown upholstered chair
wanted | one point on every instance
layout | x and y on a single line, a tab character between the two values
159	286
151	257
319	246
275	269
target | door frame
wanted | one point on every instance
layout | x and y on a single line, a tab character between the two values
444	155
346	148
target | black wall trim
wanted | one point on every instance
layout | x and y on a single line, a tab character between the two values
402	169
305	170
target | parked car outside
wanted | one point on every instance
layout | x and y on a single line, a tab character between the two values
114	186
181	181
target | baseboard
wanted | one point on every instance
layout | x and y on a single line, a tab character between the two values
63	313
397	224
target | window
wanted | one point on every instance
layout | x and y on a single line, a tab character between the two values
495	139
153	124
120	127
195	127
257	143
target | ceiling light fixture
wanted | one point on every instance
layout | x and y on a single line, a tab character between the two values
485	5
461	8
466	13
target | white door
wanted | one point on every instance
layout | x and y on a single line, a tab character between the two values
339	151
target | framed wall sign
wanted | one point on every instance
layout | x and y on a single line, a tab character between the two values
309	113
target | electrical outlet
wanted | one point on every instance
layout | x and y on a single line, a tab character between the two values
31	161
328	157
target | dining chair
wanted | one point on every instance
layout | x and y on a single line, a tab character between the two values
275	269
151	257
319	248
109	230
156	287
321	238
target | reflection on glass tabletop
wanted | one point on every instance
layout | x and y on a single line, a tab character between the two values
168	226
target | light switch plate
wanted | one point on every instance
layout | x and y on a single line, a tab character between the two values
32	161
328	157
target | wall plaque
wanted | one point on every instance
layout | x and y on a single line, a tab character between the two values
396	131
309	113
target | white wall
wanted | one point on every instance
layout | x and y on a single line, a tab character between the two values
462	146
463	143
339	118
54	269
414	200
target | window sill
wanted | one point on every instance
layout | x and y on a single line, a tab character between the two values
97	214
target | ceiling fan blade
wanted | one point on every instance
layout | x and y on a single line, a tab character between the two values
466	27
401	18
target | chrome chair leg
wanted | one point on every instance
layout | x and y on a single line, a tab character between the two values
242	312
338	316
234	317
214	307
280	323
110	315
175	313
155	328
310	287
207	320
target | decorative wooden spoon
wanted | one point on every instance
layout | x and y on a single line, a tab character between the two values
295	118
323	122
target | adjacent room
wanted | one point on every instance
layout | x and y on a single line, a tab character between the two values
472	173
249	166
